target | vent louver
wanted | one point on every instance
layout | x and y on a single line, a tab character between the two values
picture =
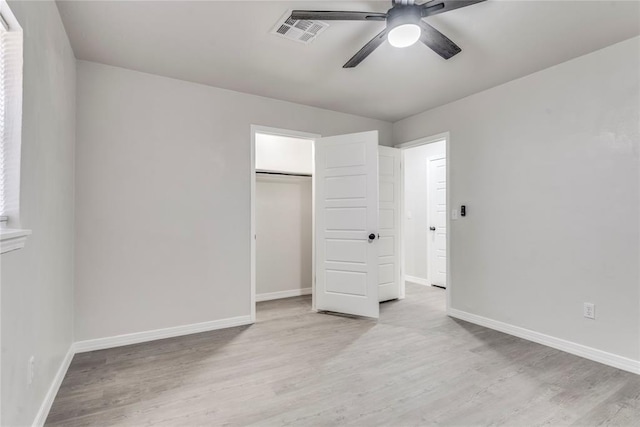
302	31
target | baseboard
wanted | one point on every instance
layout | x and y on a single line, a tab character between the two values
590	353
120	340
416	280
282	294
157	334
45	407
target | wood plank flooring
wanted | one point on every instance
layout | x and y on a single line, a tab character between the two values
415	366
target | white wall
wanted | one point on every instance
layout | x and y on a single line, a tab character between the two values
548	166
416	225
284	233
163	197
37	281
284	154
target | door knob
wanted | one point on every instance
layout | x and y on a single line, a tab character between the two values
372	236
432	228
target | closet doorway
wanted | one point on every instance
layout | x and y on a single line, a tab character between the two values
329	210
282	214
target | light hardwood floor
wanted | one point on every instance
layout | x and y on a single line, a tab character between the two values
415	366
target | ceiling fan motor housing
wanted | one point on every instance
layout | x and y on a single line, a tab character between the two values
401	15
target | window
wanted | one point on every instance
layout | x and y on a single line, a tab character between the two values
11	236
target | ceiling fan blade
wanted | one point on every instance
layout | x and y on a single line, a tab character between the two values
436	7
438	42
327	15
367	49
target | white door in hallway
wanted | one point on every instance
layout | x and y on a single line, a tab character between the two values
437	215
389	217
346	229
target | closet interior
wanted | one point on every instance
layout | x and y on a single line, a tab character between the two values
283	216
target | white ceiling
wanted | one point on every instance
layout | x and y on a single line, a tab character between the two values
228	44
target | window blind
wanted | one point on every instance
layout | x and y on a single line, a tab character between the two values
10	117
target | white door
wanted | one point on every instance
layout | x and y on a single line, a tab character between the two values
389	217
437	215
346	208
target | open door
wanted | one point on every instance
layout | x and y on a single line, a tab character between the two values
437	214
389	275
346	218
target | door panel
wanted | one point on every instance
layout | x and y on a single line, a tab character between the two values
437	191
346	218
338	250
389	245
346	212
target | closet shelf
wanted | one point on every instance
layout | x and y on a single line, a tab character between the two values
284	173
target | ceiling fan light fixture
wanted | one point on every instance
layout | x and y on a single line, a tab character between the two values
405	26
404	35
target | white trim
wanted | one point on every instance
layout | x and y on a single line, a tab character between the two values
416	280
252	227
313	225
423	141
283	294
252	235
158	334
590	353
11	239
284	132
447	152
45	407
401	213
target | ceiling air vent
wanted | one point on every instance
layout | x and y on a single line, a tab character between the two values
302	31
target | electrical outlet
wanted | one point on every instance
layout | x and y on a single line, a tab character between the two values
589	310
31	370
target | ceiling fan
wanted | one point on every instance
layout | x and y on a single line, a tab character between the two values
404	25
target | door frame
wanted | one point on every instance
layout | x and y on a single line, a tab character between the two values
252	235
416	143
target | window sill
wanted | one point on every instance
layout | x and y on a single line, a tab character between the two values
11	239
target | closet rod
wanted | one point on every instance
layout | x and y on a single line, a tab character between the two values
285	173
